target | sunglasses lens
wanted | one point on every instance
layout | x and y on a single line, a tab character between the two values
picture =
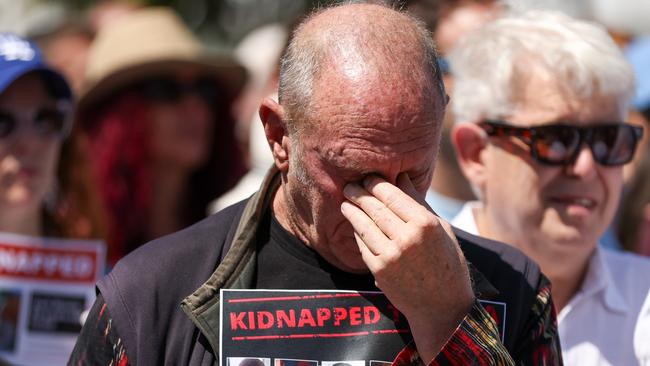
613	145
49	122
171	91
7	124
556	144
161	90
207	88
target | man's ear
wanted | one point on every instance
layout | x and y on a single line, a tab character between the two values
470	141
272	116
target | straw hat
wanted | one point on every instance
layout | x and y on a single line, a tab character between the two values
146	43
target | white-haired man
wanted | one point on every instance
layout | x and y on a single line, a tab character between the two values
541	99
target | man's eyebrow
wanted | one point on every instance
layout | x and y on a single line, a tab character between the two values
341	162
359	169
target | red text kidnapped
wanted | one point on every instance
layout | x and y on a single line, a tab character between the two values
322	315
299	318
54	264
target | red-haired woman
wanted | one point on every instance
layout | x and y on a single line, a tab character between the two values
157	119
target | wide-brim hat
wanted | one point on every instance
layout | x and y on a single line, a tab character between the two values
19	56
147	43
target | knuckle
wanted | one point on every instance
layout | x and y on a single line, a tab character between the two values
390	258
379	211
405	238
428	222
393	200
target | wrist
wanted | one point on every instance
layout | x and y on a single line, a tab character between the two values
431	331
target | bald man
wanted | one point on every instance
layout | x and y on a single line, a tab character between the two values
354	139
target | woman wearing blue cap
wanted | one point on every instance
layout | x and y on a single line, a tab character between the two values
38	197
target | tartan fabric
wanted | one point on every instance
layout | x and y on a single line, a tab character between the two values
475	341
99	343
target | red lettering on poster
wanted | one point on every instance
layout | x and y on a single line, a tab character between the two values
237	321
283	319
370	315
251	320
339	315
306	318
314	318
355	315
323	314
54	264
264	320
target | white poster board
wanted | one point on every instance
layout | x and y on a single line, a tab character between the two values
45	286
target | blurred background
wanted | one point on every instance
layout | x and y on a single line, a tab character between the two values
220	23
160	140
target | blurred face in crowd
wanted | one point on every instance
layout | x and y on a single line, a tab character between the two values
356	128
68	53
452	26
182	119
550	212
30	141
462	19
454	23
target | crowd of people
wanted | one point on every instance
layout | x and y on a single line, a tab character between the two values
448	154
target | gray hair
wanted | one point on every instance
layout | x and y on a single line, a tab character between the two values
308	53
487	64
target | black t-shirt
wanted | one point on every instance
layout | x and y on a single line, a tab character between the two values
146	287
285	262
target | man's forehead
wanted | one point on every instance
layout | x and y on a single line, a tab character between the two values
544	99
365	95
375	119
364	77
353	159
361	148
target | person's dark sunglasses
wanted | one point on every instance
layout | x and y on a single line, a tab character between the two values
46	122
559	144
167	90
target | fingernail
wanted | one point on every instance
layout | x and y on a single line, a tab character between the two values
370	179
351	190
367	180
345	205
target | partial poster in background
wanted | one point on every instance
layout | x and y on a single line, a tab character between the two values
45	287
309	328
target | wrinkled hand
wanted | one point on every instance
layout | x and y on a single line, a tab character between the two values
414	257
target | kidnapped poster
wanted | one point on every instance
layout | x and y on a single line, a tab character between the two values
309	328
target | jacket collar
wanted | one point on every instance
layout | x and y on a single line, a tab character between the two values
237	268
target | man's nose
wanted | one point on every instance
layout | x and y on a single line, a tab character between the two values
584	166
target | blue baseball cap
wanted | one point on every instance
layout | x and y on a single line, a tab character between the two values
19	56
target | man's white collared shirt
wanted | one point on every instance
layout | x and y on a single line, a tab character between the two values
608	321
